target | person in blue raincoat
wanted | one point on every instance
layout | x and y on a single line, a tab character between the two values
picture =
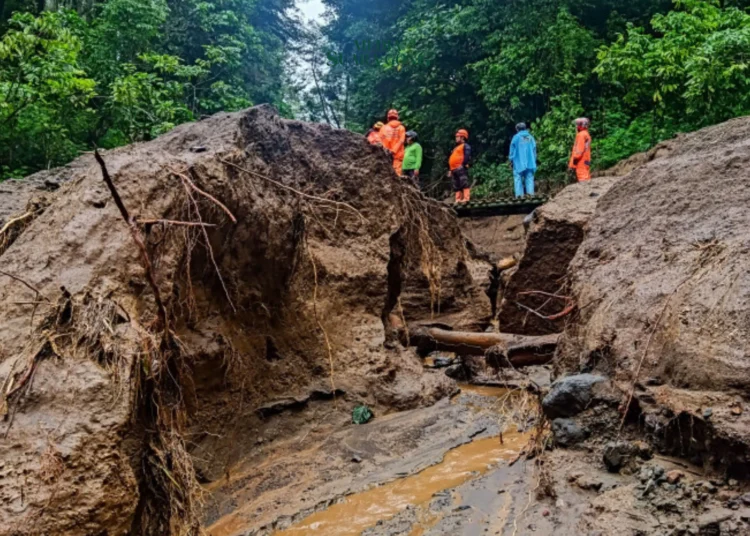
523	160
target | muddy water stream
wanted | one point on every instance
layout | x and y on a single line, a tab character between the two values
360	511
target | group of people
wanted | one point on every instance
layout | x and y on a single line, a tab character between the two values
407	155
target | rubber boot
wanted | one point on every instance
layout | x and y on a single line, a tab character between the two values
467	195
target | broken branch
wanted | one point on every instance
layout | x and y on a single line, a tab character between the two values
569	307
208	196
13	221
136	234
174	222
26	284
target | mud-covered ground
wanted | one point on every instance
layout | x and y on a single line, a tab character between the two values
441	471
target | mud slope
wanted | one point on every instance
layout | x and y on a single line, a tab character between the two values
104	426
663	269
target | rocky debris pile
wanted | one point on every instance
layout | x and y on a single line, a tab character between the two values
268	257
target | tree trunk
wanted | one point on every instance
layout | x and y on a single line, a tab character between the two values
519	350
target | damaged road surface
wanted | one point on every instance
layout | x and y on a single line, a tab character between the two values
184	335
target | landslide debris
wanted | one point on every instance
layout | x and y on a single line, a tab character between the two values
111	416
662	283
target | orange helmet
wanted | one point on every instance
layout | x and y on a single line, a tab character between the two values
463	133
392	114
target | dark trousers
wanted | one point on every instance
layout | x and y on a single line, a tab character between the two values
460	179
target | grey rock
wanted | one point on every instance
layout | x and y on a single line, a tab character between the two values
570	395
567	432
443	362
618	455
707	413
745	499
457	372
357	458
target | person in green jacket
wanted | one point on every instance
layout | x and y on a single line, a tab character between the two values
412	158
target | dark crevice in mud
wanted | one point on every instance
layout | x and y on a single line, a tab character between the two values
544	267
692	438
494	288
395	278
277	407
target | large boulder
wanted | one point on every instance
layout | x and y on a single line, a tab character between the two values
291	302
571	395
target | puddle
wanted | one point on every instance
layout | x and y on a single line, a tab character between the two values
363	510
491	391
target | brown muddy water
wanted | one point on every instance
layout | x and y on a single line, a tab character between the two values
363	510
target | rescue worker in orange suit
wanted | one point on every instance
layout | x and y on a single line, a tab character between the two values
580	160
459	163
373	136
393	138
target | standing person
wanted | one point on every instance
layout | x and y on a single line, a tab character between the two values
412	158
373	135
459	163
580	160
393	136
523	160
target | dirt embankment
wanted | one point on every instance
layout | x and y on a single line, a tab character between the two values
662	276
109	413
556	232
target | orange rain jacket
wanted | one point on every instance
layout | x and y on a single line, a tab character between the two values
393	137
460	157
580	160
374	137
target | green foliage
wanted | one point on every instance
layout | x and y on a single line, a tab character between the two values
43	93
693	72
643	70
148	66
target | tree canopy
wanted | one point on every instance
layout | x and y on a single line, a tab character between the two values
79	73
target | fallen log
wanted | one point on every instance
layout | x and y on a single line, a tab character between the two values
516	350
538	352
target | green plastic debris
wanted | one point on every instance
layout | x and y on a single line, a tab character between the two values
362	415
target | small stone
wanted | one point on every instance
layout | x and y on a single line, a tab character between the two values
567	432
462	508
545	513
643	450
725	495
746	499
737	410
560	503
675	476
589	482
732	483
645	474
572	477
618	455
357	459
708	487
707	413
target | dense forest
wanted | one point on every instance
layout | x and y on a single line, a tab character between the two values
79	73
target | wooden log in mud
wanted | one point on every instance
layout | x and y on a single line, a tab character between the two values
507	349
